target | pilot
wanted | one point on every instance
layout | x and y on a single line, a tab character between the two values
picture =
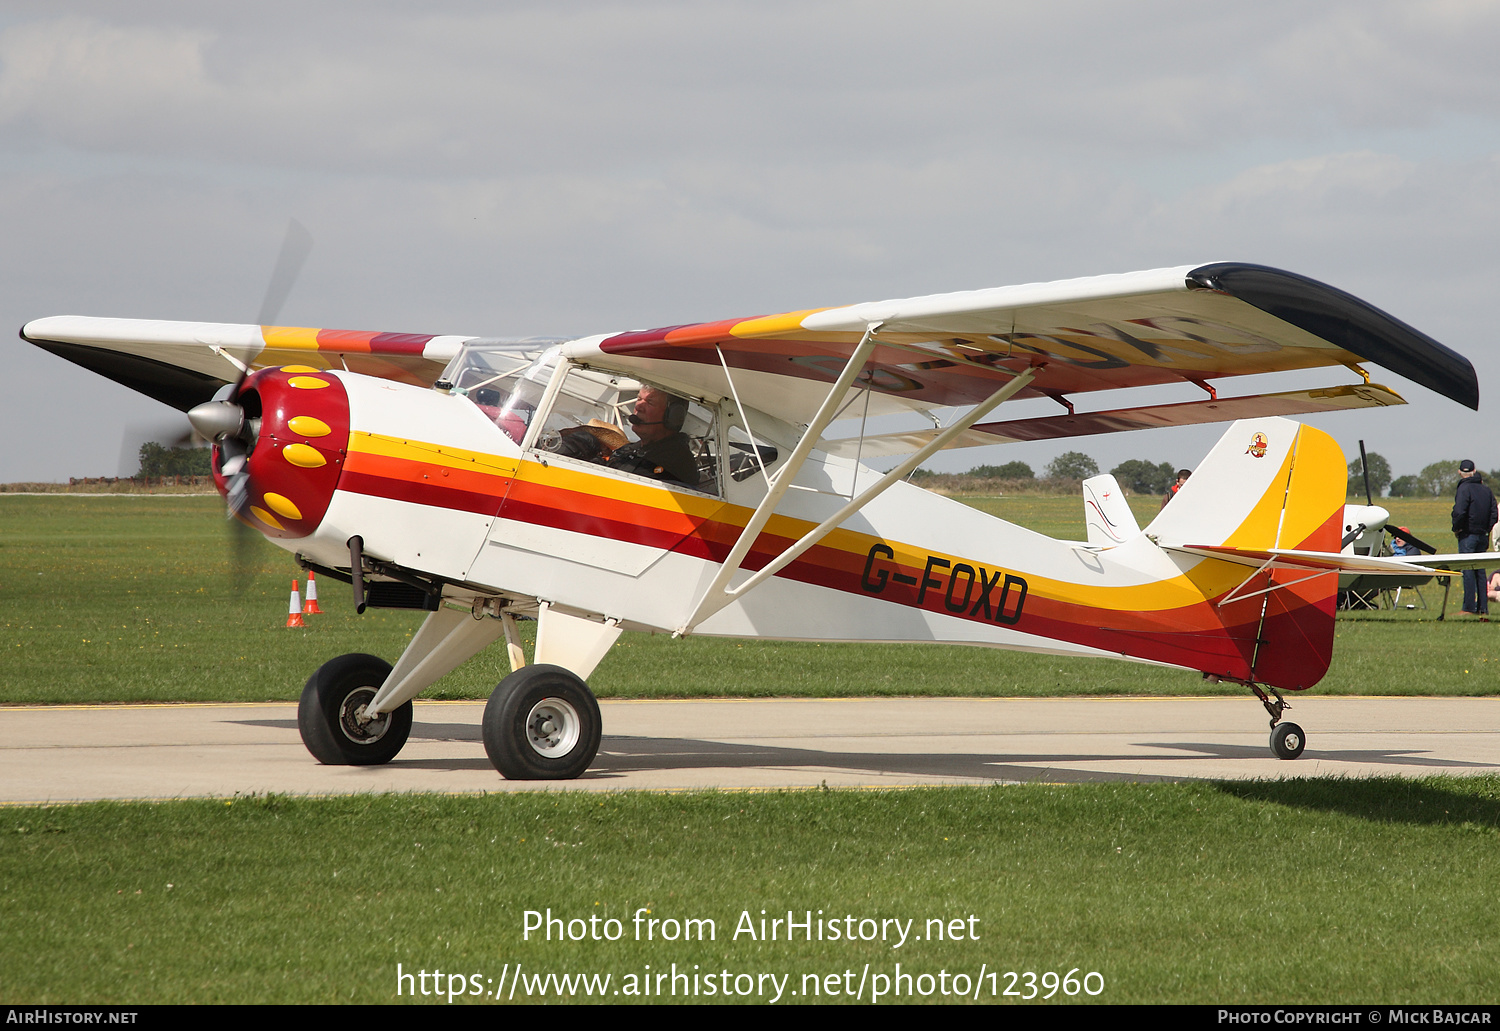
662	451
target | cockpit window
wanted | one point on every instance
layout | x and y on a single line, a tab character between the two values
596	417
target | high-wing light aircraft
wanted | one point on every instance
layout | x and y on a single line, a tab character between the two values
483	480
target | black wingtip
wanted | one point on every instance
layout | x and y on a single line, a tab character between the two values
1348	322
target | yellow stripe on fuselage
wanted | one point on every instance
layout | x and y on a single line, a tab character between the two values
1208	578
363	442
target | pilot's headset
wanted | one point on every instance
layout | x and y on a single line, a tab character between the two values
676	414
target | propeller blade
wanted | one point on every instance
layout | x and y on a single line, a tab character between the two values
223	420
294	251
1352	536
295	247
237	502
244	565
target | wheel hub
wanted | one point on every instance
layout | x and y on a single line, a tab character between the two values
552	727
354	721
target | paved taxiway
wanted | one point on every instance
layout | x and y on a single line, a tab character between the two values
67	753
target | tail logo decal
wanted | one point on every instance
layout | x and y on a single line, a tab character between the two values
1257	446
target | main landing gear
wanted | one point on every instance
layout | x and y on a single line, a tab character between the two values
332	720
1287	739
542	723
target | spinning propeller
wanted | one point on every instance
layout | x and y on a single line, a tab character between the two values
232	422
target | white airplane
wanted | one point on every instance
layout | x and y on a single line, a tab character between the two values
484	480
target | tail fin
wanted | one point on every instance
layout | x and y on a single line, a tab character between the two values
1107	513
1269	484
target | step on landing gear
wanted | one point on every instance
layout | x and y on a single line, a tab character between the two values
1287	739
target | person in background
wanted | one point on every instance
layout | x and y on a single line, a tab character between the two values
1473	519
1400	545
1182	477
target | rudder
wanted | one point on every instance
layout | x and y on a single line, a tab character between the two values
1269	484
1296	636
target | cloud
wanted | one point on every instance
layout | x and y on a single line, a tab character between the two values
611	87
573	167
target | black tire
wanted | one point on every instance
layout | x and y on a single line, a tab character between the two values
541	723
1287	740
330	701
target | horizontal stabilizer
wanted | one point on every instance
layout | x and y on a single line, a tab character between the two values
1287	558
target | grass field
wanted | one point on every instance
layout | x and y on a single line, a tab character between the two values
1284	892
129	598
1289	891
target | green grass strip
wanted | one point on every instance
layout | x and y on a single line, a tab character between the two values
1315	891
130	599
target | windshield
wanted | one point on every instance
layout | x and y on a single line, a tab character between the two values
504	380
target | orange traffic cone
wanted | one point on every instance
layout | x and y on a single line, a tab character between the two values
311	608
294	616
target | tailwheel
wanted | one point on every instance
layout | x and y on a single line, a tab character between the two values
1287	740
541	723
332	715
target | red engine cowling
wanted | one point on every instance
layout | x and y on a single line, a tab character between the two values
297	453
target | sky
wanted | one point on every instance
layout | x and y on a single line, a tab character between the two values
562	168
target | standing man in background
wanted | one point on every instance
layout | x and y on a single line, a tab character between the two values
1473	518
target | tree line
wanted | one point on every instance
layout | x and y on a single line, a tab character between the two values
160	460
1438	480
1135	475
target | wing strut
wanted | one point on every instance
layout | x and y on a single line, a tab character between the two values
754	444
719	594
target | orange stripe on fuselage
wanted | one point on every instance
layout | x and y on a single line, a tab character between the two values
1172	620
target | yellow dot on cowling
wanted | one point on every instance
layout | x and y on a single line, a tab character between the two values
304	456
265	517
299	368
307	426
282	506
307	382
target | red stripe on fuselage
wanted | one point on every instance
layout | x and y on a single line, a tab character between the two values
1194	635
422	483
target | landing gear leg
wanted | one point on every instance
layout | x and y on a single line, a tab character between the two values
1287	739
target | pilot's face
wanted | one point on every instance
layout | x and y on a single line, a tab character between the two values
651	408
